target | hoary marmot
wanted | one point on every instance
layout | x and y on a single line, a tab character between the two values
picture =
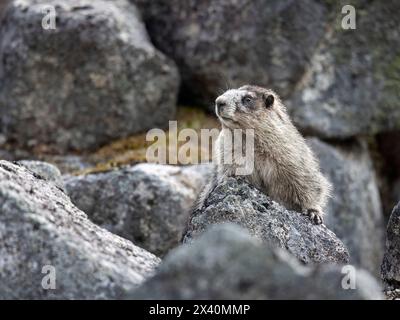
285	168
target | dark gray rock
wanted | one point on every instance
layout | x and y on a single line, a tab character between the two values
234	200
388	148
3	7
39	227
271	45
354	212
227	263
390	270
147	203
352	85
96	77
45	170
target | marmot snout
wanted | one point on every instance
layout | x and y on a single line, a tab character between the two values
285	168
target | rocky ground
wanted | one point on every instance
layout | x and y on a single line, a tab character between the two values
77	195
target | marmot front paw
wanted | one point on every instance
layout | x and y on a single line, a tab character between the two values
315	215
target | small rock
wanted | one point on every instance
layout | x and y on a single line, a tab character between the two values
147	203
45	170
234	200
227	263
42	234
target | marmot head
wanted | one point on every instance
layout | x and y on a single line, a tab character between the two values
249	105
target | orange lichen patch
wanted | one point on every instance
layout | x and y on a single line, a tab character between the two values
133	149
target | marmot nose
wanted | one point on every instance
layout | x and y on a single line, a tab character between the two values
220	103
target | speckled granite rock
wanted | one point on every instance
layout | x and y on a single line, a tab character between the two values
352	85
146	203
236	201
271	45
45	170
39	227
95	78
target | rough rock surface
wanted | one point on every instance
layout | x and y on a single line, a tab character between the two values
227	263
147	203
40	227
234	200
352	85
94	78
354	212
390	271
272	43
45	170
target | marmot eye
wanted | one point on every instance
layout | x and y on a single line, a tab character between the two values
247	100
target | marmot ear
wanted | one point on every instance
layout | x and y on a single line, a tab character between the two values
269	100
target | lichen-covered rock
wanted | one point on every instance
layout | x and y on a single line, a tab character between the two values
271	45
354	212
353	83
43	234
147	203
227	263
390	270
234	200
93	78
45	170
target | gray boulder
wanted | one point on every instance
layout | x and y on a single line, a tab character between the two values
44	237
94	78
147	203
354	212
352	84
390	270
227	263
234	200
271	45
46	170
